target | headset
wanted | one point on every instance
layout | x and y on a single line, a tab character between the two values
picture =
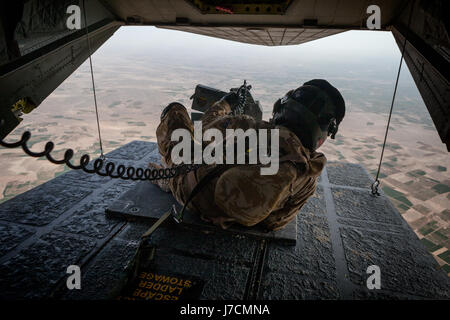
310	113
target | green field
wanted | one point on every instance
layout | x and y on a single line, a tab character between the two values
396	195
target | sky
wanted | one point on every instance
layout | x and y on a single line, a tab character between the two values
371	53
363	57
366	47
370	44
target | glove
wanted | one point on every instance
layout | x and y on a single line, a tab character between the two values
232	98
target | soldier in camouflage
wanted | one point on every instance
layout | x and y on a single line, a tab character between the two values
305	117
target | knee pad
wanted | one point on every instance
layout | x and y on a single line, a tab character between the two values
166	109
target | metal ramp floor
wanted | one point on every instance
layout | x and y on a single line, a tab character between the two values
342	230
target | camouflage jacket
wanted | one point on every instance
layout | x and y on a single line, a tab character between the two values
241	194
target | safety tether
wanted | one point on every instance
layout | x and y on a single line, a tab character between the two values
102	156
376	183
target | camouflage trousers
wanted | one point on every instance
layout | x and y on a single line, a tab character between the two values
175	116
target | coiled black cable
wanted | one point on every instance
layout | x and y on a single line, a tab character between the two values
122	172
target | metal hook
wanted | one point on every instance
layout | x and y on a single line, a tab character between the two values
374	187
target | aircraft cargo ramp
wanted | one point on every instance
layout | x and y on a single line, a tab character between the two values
341	231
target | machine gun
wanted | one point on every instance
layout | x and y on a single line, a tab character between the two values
205	96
